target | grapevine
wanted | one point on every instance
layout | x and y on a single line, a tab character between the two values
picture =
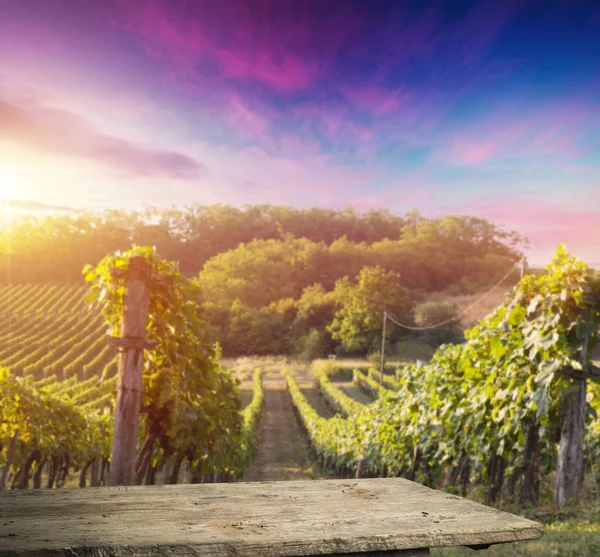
485	413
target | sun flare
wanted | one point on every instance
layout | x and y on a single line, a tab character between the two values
10	183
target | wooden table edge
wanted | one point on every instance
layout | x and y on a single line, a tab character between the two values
384	546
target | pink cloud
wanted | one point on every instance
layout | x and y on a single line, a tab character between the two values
125	112
290	49
211	47
68	134
384	199
400	195
294	146
296	180
392	198
52	40
251	123
274	54
546	224
555	129
333	122
376	100
470	152
283	71
179	41
418	193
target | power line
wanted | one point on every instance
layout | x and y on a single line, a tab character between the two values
445	322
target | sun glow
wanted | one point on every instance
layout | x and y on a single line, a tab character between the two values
11	183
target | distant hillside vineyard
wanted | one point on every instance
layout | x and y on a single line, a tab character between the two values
48	330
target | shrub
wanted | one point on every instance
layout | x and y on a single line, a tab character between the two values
432	314
311	346
413	349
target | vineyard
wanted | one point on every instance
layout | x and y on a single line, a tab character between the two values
58	379
497	415
50	331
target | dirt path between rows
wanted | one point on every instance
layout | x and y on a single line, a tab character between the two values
283	451
354	392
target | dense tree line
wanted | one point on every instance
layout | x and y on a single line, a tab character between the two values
54	248
281	280
298	296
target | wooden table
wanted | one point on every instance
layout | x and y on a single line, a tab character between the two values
325	517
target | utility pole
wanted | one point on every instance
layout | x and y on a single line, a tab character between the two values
131	366
383	346
523	267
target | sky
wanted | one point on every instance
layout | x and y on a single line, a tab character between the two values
489	109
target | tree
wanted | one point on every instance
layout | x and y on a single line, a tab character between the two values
311	345
357	323
54	248
432	315
315	308
256	331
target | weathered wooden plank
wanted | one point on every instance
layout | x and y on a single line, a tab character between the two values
270	519
394	553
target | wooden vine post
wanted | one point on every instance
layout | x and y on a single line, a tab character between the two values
571	452
9	457
131	365
571	461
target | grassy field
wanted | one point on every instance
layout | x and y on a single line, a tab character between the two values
570	532
572	538
271	366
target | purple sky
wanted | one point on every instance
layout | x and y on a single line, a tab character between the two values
483	108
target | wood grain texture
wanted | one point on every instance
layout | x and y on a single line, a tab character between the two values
323	517
129	382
